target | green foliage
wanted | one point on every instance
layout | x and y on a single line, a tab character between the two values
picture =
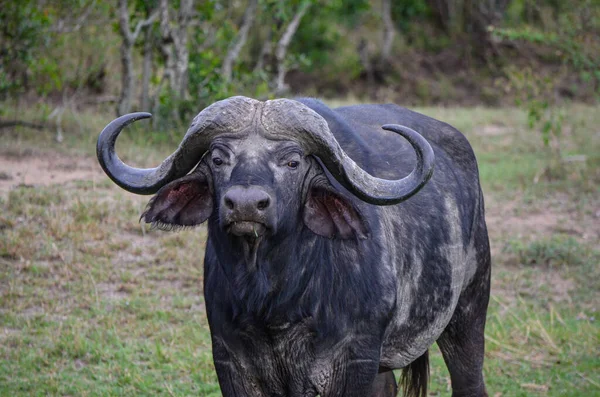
535	95
563	33
22	34
347	12
318	40
405	12
323	44
205	82
44	48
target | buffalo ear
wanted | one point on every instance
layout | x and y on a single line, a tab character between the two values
184	202
329	214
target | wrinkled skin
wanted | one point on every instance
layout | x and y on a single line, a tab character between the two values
311	291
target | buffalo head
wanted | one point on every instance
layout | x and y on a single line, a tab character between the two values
258	169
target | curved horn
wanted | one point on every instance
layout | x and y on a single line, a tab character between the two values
312	131
230	115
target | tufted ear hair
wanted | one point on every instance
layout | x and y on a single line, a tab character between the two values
184	202
330	214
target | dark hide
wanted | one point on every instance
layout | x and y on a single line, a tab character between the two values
337	290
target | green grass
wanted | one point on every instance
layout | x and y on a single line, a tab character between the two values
93	304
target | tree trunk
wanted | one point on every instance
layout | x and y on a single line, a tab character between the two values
181	47
447	13
283	44
124	104
478	17
470	18
239	41
129	38
365	60
388	31
174	47
146	71
265	52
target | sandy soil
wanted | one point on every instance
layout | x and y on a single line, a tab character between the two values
47	168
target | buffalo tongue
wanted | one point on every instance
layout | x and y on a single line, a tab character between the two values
251	234
250	244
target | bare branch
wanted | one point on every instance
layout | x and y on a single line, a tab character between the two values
127	34
210	35
124	22
147	52
142	24
185	13
240	40
174	46
62	26
165	25
265	52
388	30
129	38
365	60
284	43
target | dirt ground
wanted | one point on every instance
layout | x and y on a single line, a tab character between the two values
43	169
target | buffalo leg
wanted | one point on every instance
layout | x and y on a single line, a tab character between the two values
462	342
353	378
229	377
385	385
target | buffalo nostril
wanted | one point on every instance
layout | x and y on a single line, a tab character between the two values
262	204
246	202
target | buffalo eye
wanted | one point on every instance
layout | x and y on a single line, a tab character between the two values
217	161
293	164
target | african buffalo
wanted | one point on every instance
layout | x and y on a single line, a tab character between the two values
320	278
